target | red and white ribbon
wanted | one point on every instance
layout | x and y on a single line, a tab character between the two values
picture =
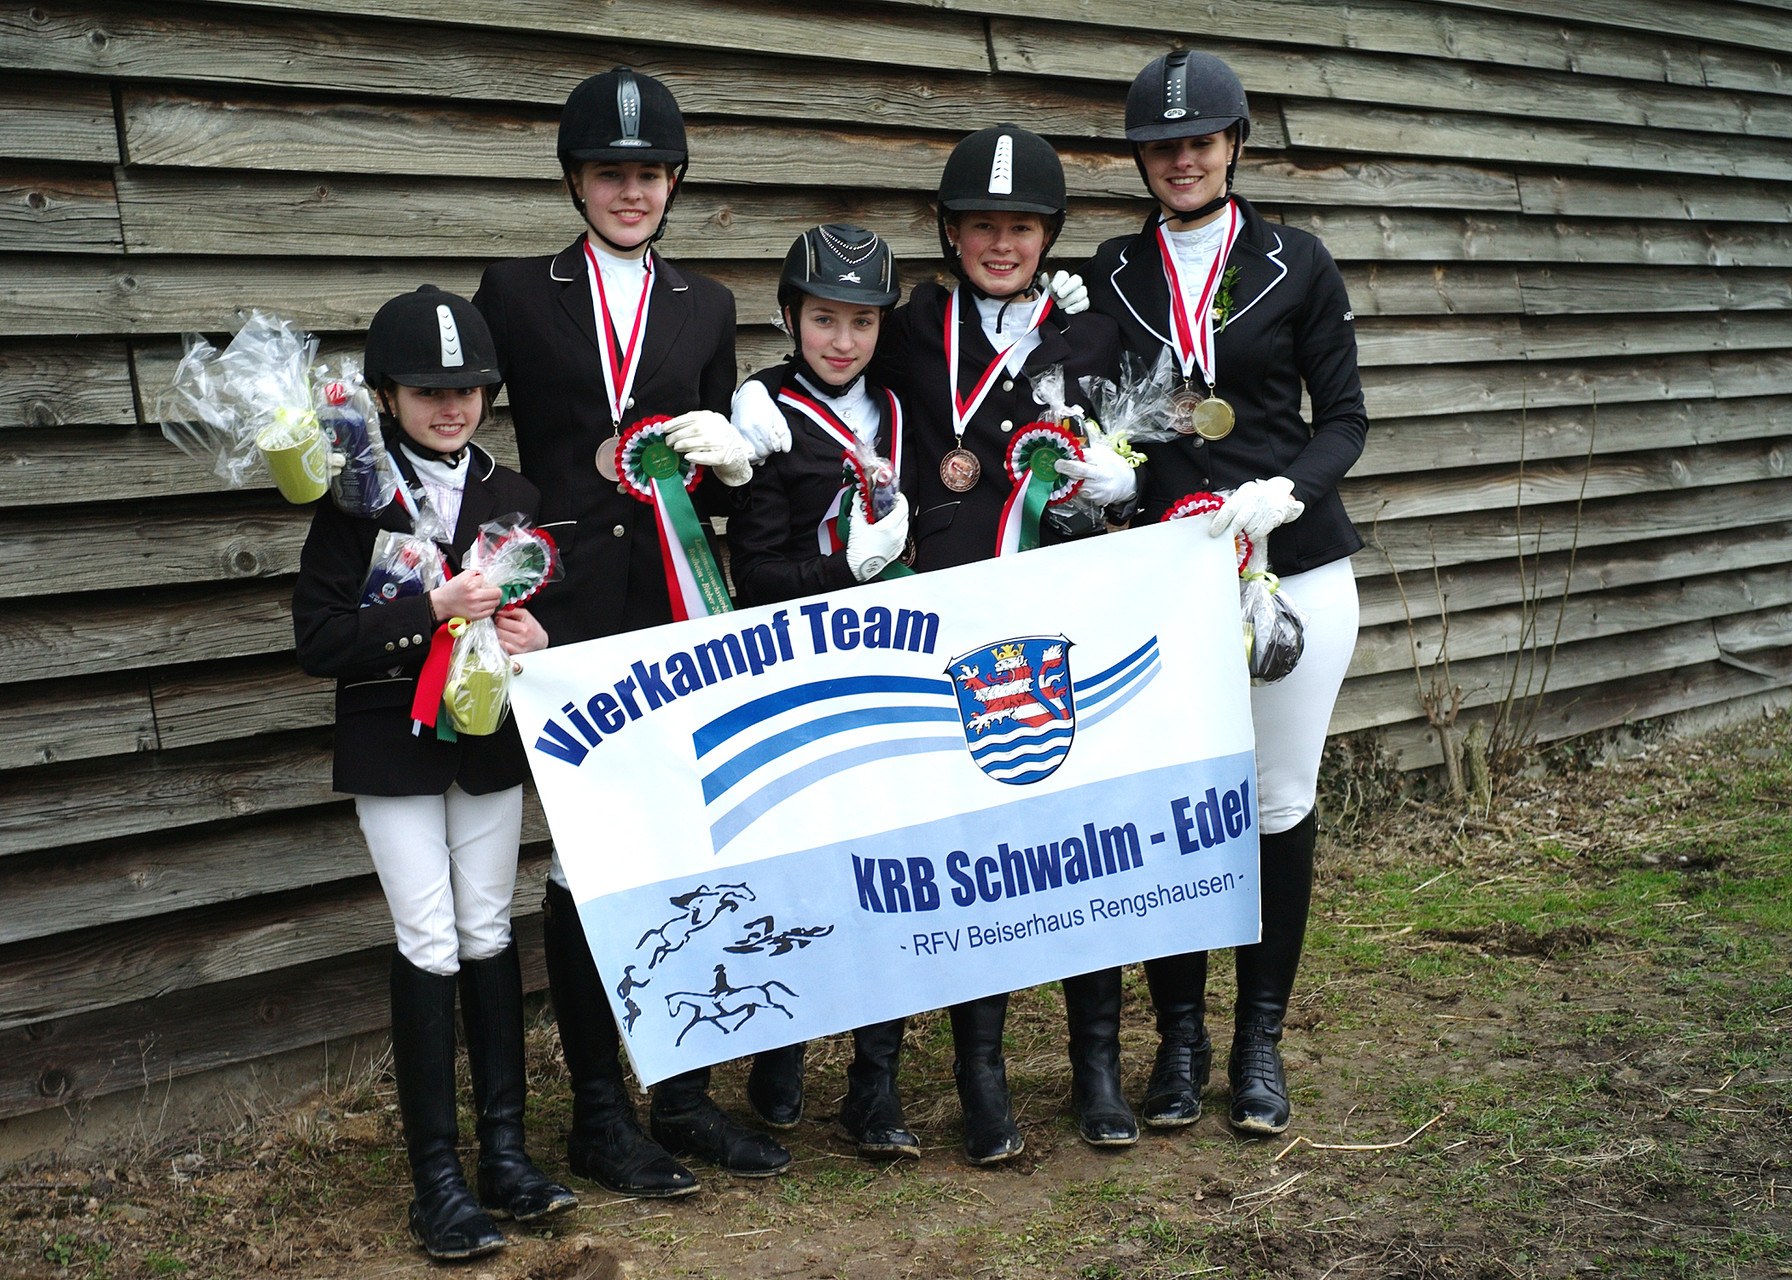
829	537
1194	338
620	362
965	408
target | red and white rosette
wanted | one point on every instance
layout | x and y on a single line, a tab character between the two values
1033	455
1206	504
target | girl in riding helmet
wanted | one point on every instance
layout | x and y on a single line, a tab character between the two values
962	361
442	817
1250	311
837	286
591	340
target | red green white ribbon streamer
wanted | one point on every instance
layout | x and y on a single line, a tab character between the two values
1032	457
654	473
426	703
1205	504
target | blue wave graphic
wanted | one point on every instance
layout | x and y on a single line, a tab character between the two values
1032	742
710	736
725	775
1128	691
1101	677
775	792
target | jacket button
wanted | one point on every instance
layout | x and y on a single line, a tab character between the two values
1008	385
630	404
416	639
402	643
619	531
390	646
1007	425
620	487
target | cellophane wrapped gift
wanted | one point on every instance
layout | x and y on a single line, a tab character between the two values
518	559
1274	630
367	481
874	477
404	565
202	421
266	370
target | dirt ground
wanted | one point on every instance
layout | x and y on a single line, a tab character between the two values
1544	1040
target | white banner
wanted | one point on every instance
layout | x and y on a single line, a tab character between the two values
790	821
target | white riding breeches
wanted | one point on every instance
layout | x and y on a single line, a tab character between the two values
1291	715
447	864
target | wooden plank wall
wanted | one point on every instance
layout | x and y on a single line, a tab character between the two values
1566	240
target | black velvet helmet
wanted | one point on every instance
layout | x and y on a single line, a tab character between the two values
1002	167
622	116
429	338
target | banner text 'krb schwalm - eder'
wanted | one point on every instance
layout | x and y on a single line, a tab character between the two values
785	822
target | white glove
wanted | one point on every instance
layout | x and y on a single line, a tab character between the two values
871	547
1256	507
1106	477
760	422
334	461
1067	291
709	440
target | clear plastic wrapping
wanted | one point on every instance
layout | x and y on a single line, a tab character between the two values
518	559
1079	514
1137	409
204	423
874	477
404	564
367	481
1274	631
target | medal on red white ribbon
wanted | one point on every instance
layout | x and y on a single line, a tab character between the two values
960	469
1192	413
619	362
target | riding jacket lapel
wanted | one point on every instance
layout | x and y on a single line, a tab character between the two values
667	313
570	269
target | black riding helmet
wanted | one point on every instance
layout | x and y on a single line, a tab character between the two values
1187	95
840	263
430	338
622	115
1003	167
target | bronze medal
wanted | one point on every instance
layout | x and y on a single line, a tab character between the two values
1184	404
960	471
606	459
1213	419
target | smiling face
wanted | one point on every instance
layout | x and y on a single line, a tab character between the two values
624	200
837	338
1186	173
439	418
1000	250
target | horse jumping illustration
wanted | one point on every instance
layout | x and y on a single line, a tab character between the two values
724	1002
763	935
624	990
698	909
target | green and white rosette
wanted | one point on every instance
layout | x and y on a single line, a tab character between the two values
1033	457
654	473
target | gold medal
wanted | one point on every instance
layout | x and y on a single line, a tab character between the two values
1213	419
606	459
1183	406
960	471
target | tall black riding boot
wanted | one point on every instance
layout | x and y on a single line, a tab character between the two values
990	1134
1184	1053
872	1114
606	1144
1092	1008
687	1122
444	1216
1266	980
775	1086
491	1006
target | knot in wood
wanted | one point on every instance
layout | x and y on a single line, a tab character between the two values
98	39
241	559
37	200
53	1083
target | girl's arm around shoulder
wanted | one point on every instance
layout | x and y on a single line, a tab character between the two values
333	634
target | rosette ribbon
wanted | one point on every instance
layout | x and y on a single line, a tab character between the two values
426	703
869	481
653	472
1205	504
1033	457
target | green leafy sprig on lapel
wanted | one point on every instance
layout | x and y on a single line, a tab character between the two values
1222	303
